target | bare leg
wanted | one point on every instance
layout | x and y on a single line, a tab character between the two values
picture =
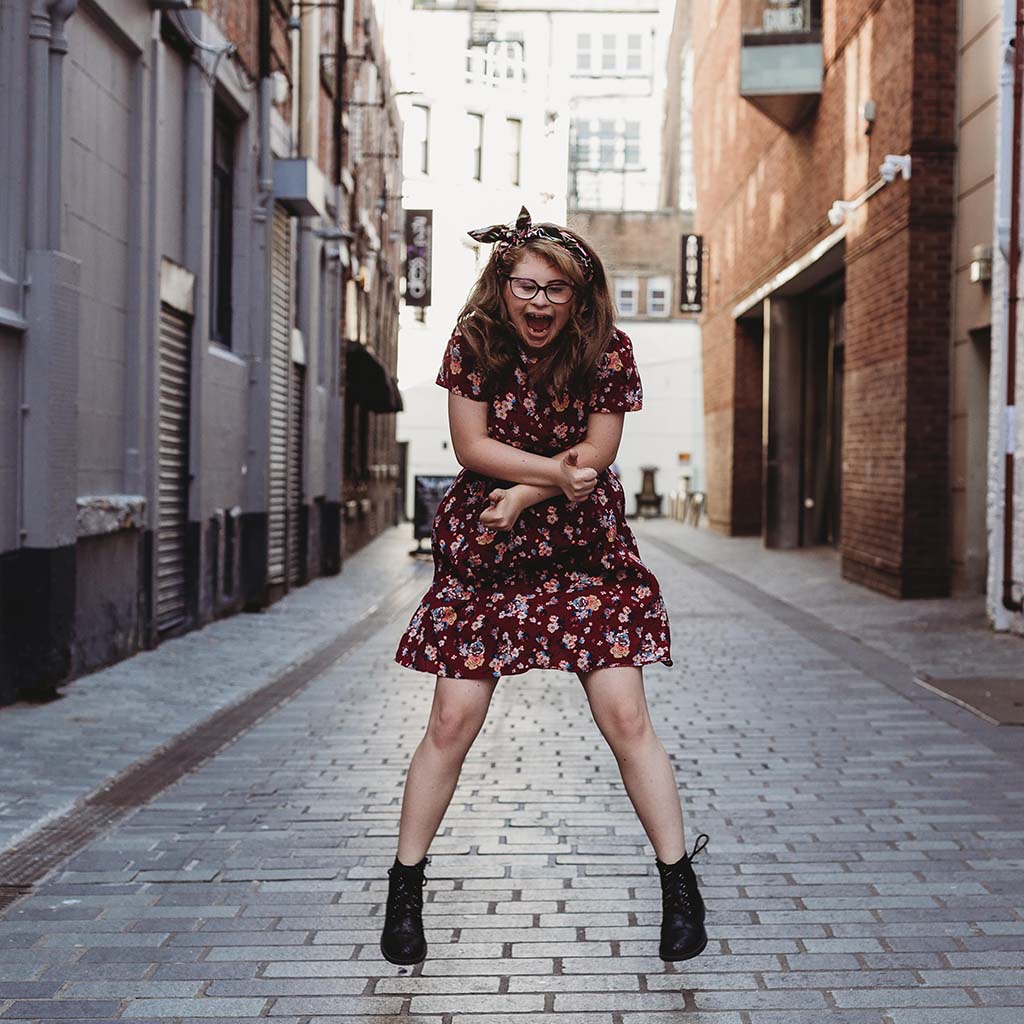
456	716
619	705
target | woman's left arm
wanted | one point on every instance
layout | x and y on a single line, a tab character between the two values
597	450
599	447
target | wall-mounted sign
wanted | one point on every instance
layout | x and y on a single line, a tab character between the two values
418	233
776	16
691	293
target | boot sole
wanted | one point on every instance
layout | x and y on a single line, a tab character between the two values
686	956
402	962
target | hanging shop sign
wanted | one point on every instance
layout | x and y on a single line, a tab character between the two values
691	294
775	17
418	233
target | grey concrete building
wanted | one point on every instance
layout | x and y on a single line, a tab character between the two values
172	258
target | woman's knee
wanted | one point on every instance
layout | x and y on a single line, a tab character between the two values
624	721
618	703
457	717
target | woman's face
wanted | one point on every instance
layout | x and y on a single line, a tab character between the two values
537	320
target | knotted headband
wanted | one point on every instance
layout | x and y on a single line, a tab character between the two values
504	236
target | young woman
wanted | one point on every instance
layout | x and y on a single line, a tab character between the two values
535	565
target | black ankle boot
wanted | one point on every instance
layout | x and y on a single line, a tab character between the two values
682	908
402	940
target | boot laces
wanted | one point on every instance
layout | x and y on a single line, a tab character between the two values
679	883
405	893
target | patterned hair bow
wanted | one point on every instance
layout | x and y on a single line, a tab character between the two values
504	235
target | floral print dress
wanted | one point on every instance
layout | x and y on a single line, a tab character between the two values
565	588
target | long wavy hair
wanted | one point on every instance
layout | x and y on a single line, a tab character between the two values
569	363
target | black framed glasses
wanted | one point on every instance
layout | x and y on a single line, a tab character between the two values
557	292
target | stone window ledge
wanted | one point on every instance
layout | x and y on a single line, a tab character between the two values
109	513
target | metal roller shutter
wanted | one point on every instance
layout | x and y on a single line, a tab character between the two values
280	367
172	491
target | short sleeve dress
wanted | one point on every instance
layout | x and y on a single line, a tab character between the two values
565	588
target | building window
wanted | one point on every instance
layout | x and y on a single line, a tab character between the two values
514	128
634	52
221	216
626	291
417	145
584	137
606	144
475	126
631	135
583	58
606	139
659	296
609	52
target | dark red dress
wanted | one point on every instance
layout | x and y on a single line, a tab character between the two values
565	587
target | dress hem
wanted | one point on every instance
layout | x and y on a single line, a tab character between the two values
635	663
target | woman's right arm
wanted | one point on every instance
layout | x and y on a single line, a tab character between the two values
490	457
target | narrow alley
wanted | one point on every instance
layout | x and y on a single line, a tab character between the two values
866	854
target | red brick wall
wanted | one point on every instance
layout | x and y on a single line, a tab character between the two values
645	243
239	21
763	196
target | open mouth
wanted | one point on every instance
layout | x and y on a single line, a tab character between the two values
538	325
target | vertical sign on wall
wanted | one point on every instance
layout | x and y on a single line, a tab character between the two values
691	293
418	231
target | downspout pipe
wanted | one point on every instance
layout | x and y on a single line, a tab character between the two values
38	122
1010	603
266	87
60	11
339	85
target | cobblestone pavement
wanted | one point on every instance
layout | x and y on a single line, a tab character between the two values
865	866
113	717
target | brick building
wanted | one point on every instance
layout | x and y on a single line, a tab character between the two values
642	253
179	221
370	136
827	333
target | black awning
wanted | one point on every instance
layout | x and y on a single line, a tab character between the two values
368	381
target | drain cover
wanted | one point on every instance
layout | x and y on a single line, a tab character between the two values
999	700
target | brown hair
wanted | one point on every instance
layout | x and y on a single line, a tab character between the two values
571	363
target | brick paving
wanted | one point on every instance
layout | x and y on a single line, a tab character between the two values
114	717
865	863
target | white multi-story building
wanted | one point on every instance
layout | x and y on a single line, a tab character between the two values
616	56
558	106
485	133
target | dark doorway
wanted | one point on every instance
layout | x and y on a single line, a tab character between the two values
821	470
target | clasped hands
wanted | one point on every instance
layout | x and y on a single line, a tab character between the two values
506	503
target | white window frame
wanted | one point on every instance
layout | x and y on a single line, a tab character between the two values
602	144
584	52
583	142
654	307
633	53
514	139
417	146
612	52
630	306
475	137
636	140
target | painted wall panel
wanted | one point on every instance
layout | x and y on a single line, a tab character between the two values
13	81
171	140
225	386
